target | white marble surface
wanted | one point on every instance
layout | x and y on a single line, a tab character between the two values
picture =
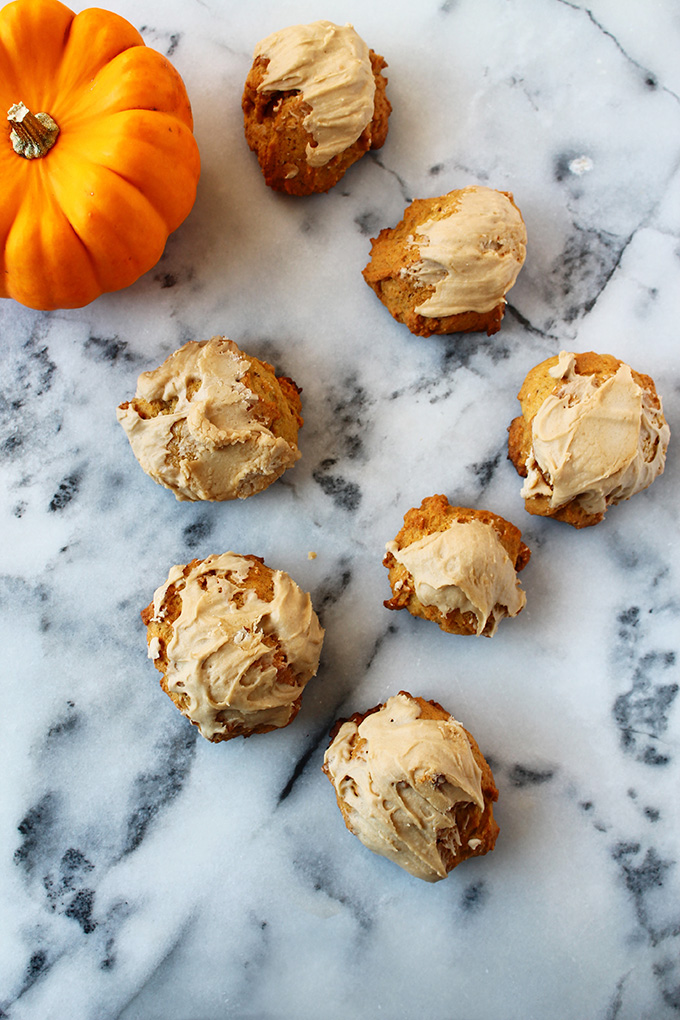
146	874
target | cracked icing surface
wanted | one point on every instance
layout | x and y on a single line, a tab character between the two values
238	652
212	423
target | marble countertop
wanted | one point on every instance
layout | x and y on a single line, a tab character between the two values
146	874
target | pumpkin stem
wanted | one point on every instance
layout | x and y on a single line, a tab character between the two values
32	135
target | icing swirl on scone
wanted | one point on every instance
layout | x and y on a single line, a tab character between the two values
195	425
471	251
330	66
598	442
464	567
233	656
399	777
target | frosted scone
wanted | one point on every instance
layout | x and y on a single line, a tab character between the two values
591	433
456	566
213	423
447	266
314	103
413	785
236	643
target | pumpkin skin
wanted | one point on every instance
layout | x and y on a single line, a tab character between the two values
95	211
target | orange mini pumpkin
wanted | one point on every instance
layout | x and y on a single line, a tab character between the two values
98	163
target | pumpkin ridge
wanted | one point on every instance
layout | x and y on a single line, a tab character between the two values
33	34
128	181
131	131
90	257
23	248
138	78
95	211
117	263
94	39
47	185
9	82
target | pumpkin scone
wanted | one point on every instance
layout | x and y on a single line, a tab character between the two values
413	785
314	102
448	264
456	566
591	434
213	423
235	641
